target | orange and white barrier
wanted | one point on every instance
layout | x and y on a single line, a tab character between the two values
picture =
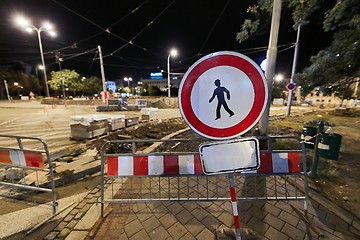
22	158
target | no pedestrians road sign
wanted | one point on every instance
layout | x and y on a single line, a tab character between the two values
223	95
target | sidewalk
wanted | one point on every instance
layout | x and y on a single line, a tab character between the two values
200	220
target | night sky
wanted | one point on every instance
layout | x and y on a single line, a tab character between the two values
137	42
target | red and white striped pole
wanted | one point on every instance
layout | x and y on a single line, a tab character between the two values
234	206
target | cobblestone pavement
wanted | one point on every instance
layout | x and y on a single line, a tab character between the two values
201	220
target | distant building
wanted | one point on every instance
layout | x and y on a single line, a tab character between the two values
111	85
161	83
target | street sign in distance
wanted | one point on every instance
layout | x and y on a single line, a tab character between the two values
291	86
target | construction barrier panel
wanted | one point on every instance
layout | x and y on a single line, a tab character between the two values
159	175
25	163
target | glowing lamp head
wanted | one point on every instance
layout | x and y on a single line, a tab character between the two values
173	52
22	21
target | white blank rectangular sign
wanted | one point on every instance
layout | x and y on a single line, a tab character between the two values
230	156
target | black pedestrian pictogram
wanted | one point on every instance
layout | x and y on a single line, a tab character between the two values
219	93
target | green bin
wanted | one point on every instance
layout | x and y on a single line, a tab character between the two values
308	135
329	146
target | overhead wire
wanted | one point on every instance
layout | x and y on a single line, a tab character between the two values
212	29
107	30
127	42
285	49
247	51
130	13
79	15
112	25
129	60
82	53
142	30
92	62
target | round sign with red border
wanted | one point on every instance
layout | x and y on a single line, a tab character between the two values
291	86
223	95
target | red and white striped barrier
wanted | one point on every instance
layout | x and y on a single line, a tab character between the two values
235	208
155	165
22	158
285	162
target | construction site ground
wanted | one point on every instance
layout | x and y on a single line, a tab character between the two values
333	211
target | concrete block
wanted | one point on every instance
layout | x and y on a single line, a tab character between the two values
77	235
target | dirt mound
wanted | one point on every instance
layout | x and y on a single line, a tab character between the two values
346	112
156	129
158	104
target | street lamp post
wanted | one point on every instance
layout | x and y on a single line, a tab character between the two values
42	61
296	53
60	59
46	27
127	79
173	52
37	75
271	62
7	90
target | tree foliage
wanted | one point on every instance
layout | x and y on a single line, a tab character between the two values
74	83
259	15
91	86
303	9
69	78
153	91
338	65
25	83
345	13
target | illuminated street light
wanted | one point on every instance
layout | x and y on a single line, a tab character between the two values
127	79
18	87
279	77
173	52
46	27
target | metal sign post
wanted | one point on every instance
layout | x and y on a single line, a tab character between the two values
222	96
234	205
247	148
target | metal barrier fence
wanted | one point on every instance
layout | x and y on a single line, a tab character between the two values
30	154
177	175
